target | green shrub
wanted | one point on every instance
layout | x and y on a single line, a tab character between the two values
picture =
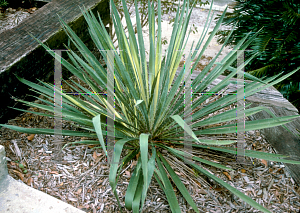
3	3
278	43
149	105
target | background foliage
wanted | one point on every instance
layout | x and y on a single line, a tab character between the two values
278	42
3	3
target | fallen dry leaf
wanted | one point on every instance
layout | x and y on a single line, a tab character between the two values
218	189
21	176
95	155
54	172
264	162
243	170
30	137
227	175
29	181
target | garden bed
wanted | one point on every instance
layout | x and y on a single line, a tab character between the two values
82	181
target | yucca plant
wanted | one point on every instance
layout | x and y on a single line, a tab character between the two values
149	105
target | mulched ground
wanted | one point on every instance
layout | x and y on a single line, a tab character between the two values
81	178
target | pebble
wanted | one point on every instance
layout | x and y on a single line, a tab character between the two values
252	132
11	10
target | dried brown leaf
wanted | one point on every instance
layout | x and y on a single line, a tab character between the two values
29	181
30	137
227	175
264	162
20	175
95	155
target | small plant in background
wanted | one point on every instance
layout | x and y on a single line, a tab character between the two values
149	107
3	6
3	3
278	43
